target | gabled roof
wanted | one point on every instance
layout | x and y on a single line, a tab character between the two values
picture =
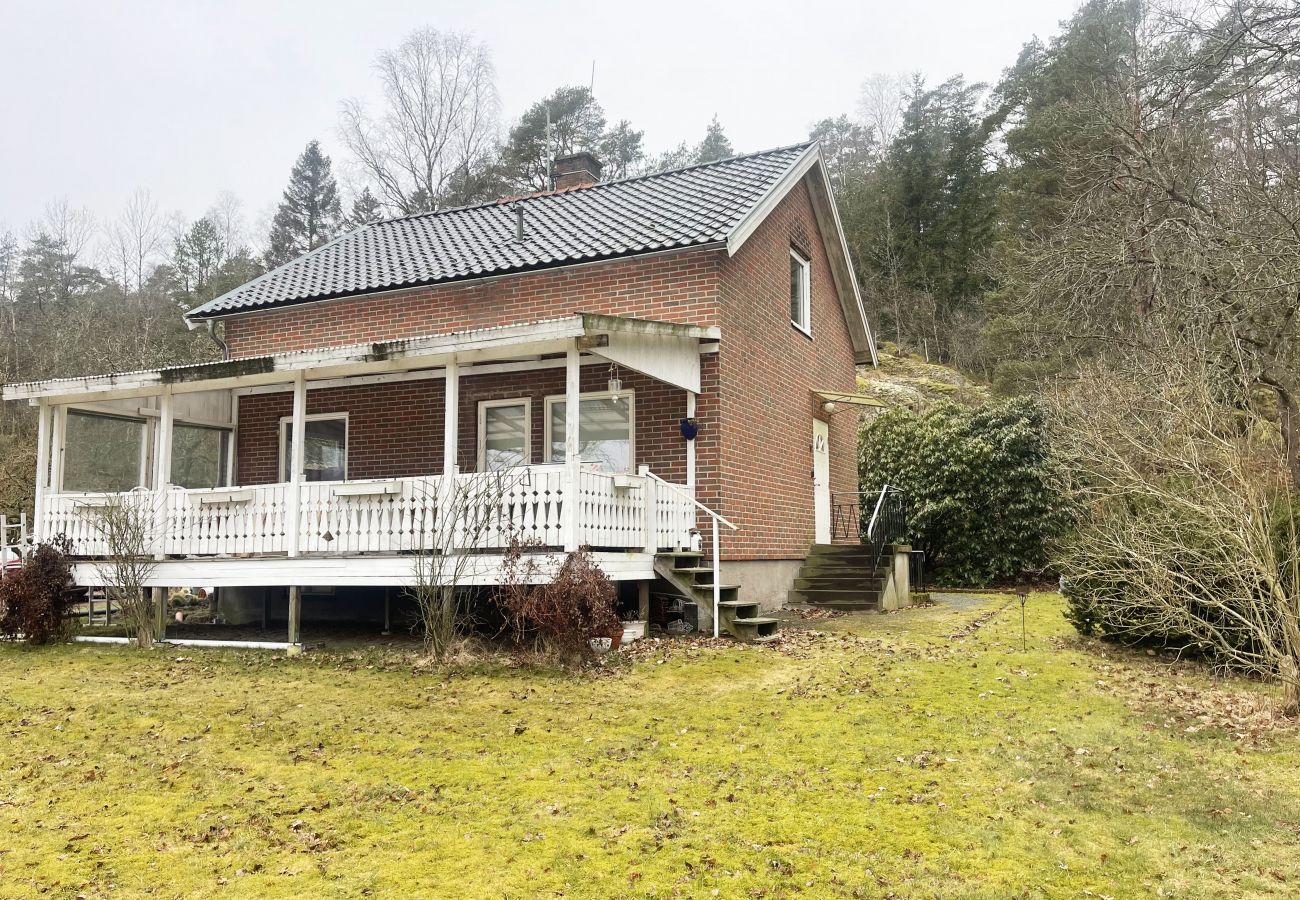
717	204
694	206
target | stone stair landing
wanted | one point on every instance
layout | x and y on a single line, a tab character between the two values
841	576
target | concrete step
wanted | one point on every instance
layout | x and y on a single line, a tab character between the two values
839	550
837	599
850	582
754	629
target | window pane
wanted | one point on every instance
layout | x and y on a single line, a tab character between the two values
102	453
199	456
505	436
326	451
797	272
604	434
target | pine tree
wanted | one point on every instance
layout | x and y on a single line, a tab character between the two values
310	213
365	208
715	145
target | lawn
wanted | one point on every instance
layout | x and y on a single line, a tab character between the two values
920	753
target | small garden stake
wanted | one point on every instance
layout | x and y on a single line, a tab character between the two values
1024	644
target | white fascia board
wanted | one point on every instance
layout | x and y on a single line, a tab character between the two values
837	246
380	356
775	194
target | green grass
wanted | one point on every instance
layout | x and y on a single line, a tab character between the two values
909	754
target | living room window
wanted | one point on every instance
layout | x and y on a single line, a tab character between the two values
606	430
800	292
326	447
504	432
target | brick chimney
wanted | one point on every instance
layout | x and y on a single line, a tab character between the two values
575	170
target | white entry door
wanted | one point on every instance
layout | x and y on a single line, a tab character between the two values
821	481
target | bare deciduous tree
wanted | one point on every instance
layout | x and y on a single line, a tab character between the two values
880	105
472	513
126	524
135	240
439	118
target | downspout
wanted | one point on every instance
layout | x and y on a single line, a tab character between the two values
217	339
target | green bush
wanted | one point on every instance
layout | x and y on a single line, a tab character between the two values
984	500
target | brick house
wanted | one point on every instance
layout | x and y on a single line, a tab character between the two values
705	322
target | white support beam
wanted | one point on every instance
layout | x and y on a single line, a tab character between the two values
572	461
58	442
44	431
299	460
162	468
690	445
451	417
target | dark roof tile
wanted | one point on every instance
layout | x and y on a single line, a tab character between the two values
685	207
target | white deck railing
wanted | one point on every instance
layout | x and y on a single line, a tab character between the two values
394	515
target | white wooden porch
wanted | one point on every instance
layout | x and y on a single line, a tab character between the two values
223	532
300	531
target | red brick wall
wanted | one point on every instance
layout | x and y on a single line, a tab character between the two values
678	287
769	370
754	450
396	429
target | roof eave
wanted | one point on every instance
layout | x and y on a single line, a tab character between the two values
837	247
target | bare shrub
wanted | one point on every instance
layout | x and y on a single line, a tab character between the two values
35	599
577	604
126	525
471	514
1188	532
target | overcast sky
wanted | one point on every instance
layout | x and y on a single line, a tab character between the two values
189	99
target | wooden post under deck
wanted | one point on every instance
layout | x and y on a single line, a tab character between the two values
295	620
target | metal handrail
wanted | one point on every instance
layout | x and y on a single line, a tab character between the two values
717	578
875	514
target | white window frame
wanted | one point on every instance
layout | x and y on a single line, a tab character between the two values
227	430
627	396
286	423
144	476
806	301
484	406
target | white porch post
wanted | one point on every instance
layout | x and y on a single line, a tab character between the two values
299	459
44	431
690	446
162	469
58	437
572	463
449	528
650	513
451	418
162	459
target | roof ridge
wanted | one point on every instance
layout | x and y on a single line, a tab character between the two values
521	198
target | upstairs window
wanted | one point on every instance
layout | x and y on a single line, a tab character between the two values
800	293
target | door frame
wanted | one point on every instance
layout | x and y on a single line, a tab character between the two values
821	458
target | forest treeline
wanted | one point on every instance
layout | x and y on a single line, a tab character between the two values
1139	165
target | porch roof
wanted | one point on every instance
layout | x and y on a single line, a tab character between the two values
663	350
